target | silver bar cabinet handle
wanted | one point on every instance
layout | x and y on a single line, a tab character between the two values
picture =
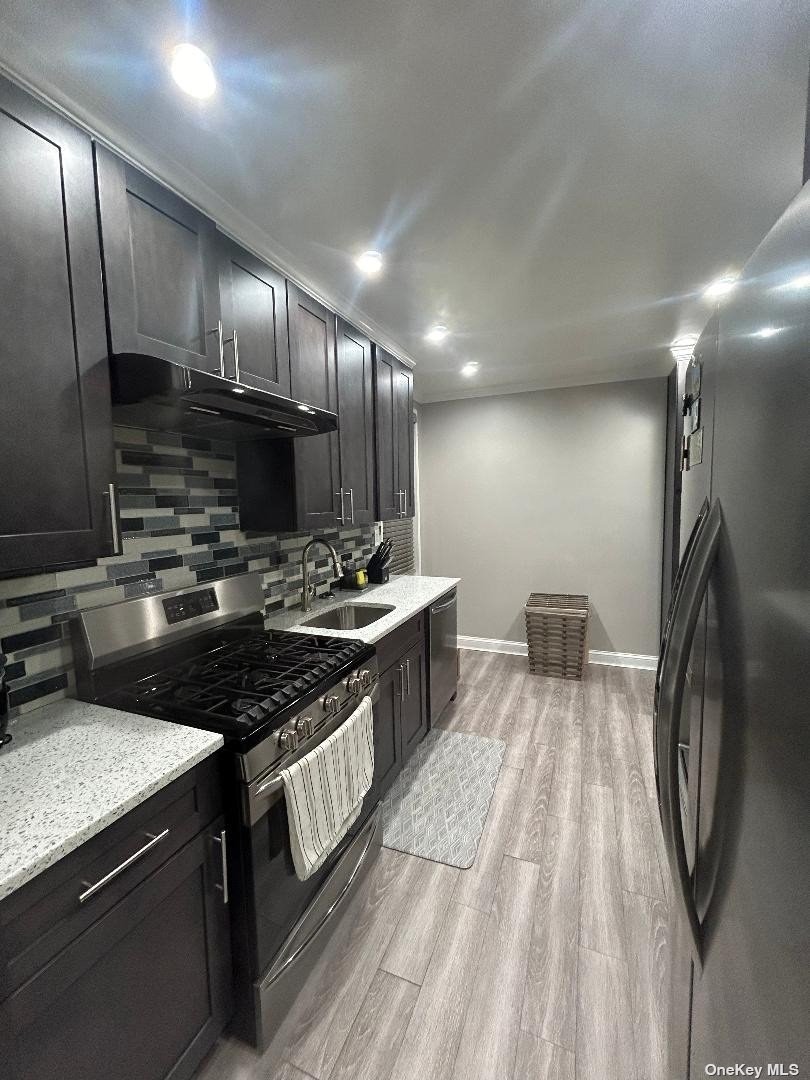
405	502
115	530
222	840
341	517
236	372
408	672
351	504
91	890
401	682
220	345
233	340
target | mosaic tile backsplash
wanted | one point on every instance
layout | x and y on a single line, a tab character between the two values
180	524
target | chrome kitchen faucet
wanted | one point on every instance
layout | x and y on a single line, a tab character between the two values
306	599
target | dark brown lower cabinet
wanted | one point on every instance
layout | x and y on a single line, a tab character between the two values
143	992
387	746
413	705
401	716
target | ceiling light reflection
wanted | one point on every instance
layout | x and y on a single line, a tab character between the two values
683	347
720	287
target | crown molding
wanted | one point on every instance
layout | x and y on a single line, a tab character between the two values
499	390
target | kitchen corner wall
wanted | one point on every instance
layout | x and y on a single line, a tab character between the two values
180	523
549	491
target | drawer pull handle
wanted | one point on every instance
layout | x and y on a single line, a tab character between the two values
91	890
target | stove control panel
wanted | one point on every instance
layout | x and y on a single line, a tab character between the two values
190	605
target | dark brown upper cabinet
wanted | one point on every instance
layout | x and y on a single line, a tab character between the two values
321	481
403	402
160	269
393	411
55	499
294	484
253	298
355	426
313	379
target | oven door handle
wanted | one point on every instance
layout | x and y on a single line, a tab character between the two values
267	791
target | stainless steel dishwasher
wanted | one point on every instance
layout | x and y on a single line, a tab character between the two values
443	653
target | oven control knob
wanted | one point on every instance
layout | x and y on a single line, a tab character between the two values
287	739
331	703
365	677
304	727
354	684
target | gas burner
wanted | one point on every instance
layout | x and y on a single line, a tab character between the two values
244	684
186	693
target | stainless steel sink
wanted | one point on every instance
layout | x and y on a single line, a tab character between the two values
350	616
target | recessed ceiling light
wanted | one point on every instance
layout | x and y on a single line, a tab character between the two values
238	390
193	71
370	263
767	331
471	368
306	408
683	347
720	287
437	334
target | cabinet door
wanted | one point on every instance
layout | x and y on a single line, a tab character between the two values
414	714
403	403
313	380
141	995
55	403
254	319
160	268
386	368
387	748
356	424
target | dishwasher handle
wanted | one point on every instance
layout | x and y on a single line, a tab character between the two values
443	607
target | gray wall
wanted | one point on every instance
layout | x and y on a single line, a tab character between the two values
549	491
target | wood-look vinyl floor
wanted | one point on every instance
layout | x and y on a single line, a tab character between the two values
548	958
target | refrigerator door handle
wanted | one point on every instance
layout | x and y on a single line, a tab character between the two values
686	606
676	585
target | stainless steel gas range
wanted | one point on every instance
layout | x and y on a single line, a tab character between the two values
202	657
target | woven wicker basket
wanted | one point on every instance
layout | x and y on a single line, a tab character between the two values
557	634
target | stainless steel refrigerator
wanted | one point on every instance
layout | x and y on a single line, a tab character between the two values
732	721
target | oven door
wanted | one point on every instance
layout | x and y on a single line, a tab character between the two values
283	913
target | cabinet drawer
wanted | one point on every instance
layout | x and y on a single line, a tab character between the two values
142	994
43	917
394	645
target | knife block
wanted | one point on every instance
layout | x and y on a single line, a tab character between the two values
378	577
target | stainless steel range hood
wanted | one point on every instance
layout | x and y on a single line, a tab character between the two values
158	394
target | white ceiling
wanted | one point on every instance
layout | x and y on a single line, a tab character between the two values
553	179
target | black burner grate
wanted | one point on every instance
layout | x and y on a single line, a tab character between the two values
241	684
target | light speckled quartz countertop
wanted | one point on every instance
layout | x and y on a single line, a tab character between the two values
408	593
74	768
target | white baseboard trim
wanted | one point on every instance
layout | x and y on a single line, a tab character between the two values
623	659
486	644
595	656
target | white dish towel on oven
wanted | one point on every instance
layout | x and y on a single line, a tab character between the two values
325	789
